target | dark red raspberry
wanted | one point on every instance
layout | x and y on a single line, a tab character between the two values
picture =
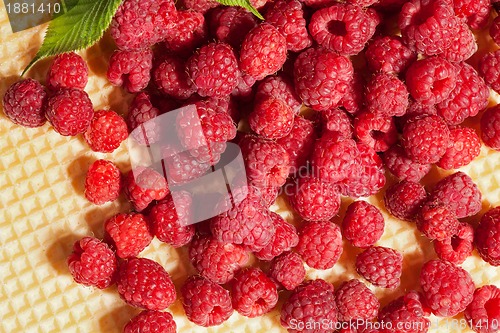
103	182
476	12
319	3
143	185
284	239
386	95
465	147
171	78
463	45
404	199
279	86
106	132
489	69
490	127
355	301
215	260
407	312
69	111
322	77
343	28
299	143
288	270
263	51
271	118
337	120
380	266
144	283
402	167
483	313
92	263
447	288
376	130
436	221
128	233
151	321
389	54
320	244
458	247
201	6
487	237
495	30
363	224
353	99
23	103
205	302
130	69
231	24
141	114
68	70
188	33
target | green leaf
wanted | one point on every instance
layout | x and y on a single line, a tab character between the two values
81	26
241	3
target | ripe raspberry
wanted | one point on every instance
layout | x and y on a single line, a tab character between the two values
487	237
214	70
437	221
458	247
130	69
484	310
343	28
476	12
128	233
68	70
92	263
320	244
322	77
183	167
447	289
488	68
171	78
463	45
151	321
268	194
69	111
376	130
407	312
389	54
141	113
490	127
231	24
188	33
215	260
337	120
319	3
495	30
404	199
144	283
380	266
363	224
465	147
386	95
23	103
402	167
279	86
201	6
355	301
263	51
143	185
103	182
353	99
253	293
299	143
417	110
288	270
244	92
271	118
106	132
205	302
284	239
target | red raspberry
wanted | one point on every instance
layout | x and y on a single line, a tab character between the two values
465	147
447	289
151	321
253	293
389	54
141	113
231	24
380	266
188	33
69	111
320	244
214	70
106	132
311	302
337	120
355	301
353	99
128	233
363	224
376	130
183	167
143	185
130	69
463	45
487	237
288	270
284	239
319	3
407	312
171	78
92	263
488	68
299	143
476	12
68	70
343	28
244	92
386	95
268	194
215	260
263	51
279	86
271	118
404	199
437	221
495	30
402	167
490	127
23	103
458	247
144	283
103	182
201	6
417	110
322	77
484	310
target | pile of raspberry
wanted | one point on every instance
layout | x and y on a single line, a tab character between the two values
322	98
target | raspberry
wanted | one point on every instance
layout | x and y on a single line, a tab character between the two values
490	127
407	312
337	120
319	3
188	33
129	234
68	70
437	221
271	118
151	321
488	68
487	237
92	263
322	77
103	182
314	199
244	92
299	143
466	146
355	301
376	130
495	30
263	51
23	103
459	192
447	289
353	99
141	113
380	266
183	167
201	6
343	28
69	111
171	78
130	69
402	167
214	70
284	239
389	54
253	293
268	194
463	45
205	302
476	12
363	224
320	244
288	270
288	17
404	199
106	132
144	283
386	95
458	247
312	302
231	24
143	185
280	87
483	312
